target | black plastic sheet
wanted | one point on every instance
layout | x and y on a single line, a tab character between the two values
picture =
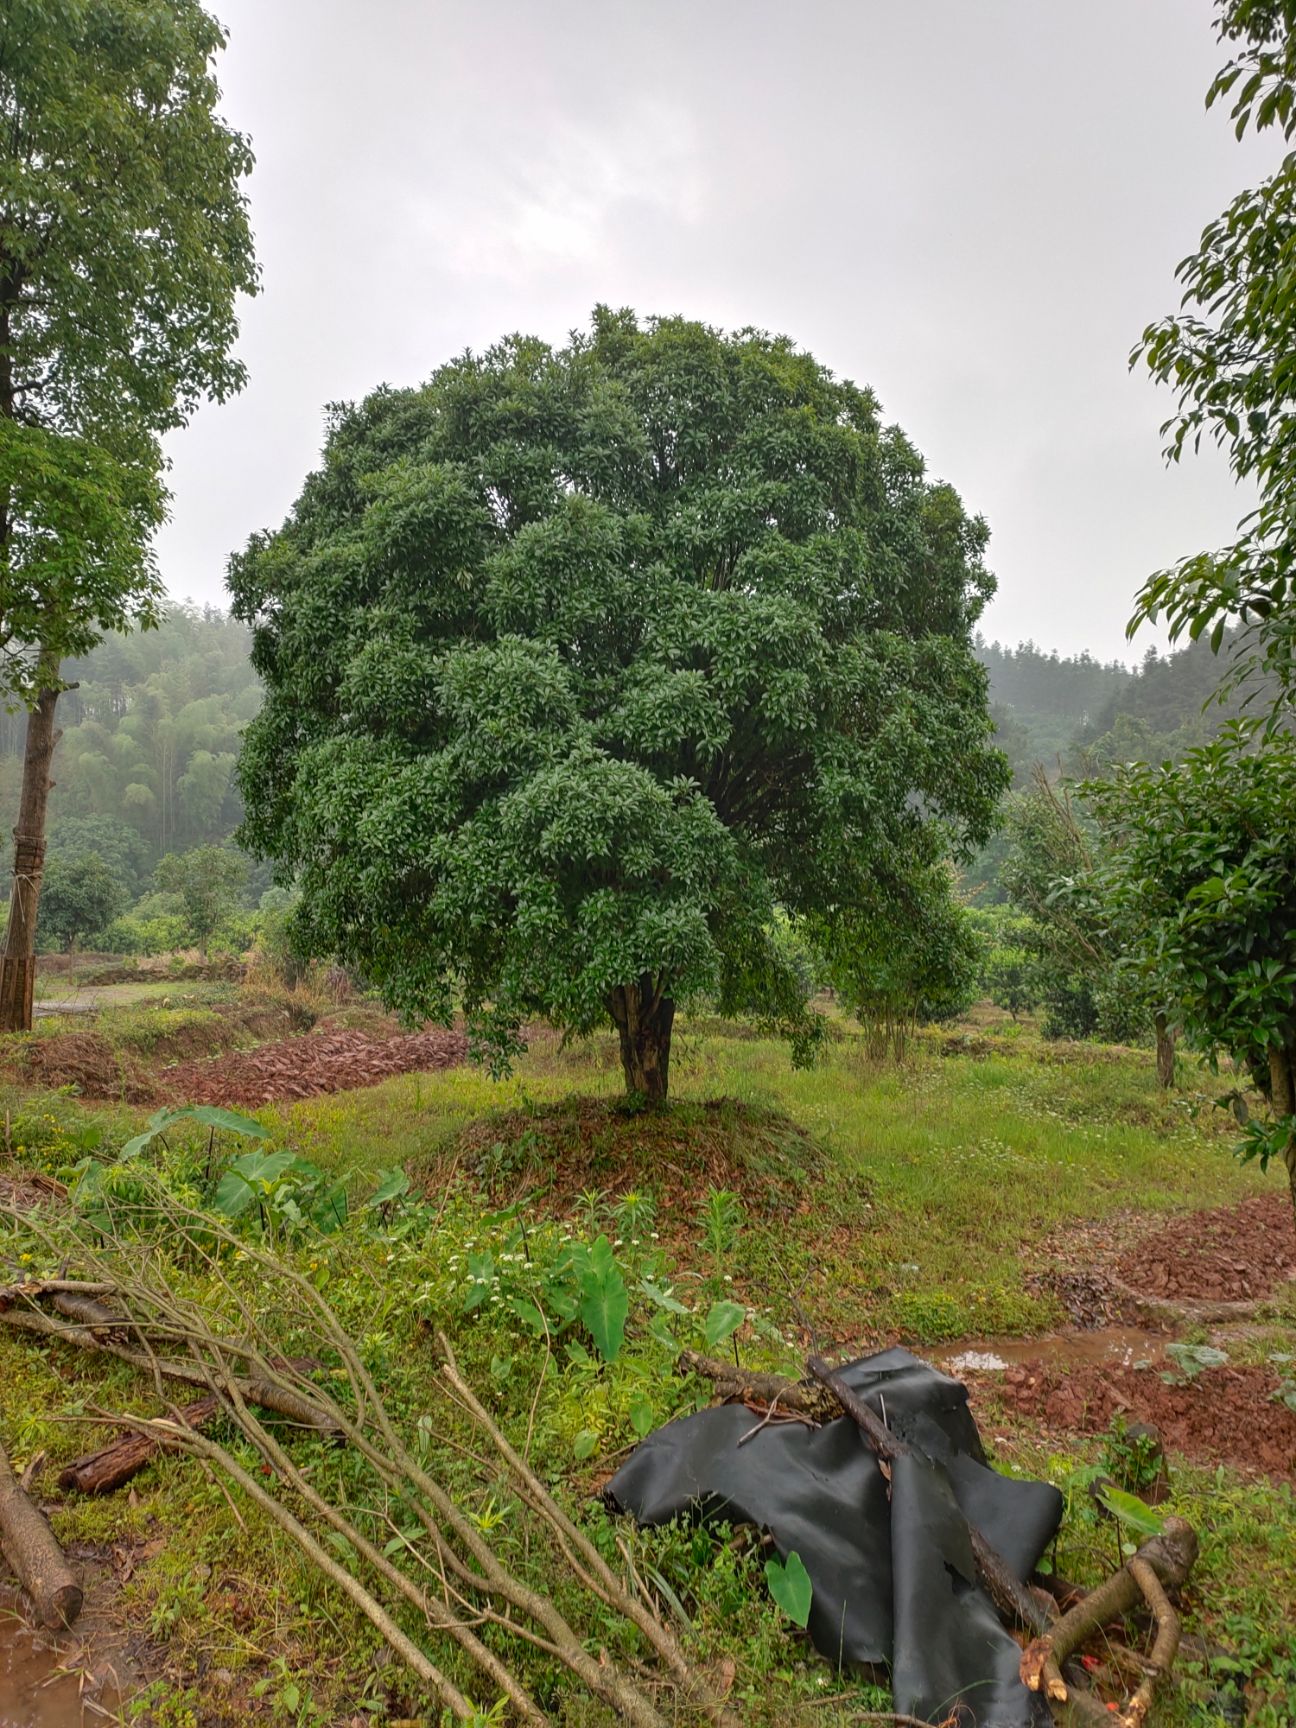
892	1572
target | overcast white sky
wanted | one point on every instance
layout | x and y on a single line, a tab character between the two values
974	206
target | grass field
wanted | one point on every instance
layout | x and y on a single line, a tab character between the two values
857	1203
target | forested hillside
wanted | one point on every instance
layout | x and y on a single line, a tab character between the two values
150	739
1074	714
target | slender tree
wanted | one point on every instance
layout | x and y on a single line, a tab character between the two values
124	244
581	665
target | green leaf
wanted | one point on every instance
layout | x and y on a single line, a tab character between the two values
212	1116
722	1321
789	1585
659	1294
528	1314
233	1195
584	1444
604	1307
642	1417
392	1185
1128	1509
1192	1358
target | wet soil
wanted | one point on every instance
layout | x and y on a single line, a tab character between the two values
1221	1415
1234	1254
77	1678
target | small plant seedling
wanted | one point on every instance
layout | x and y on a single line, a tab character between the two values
789	1585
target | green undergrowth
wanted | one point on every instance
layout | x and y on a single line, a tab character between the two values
570	1250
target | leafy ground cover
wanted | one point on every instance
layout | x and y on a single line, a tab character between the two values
947	1198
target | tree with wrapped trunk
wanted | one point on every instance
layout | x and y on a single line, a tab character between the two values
124	244
586	668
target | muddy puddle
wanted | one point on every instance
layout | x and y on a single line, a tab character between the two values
38	1691
1108	1346
77	1680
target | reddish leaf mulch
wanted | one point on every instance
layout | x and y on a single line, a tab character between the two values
1224	1413
335	1060
1234	1254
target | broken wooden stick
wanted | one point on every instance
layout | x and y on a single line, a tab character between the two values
761	1390
32	1550
1161	1564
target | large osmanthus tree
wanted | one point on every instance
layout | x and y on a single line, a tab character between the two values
124	244
581	664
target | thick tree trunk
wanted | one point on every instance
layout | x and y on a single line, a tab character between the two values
18	965
1165	1052
644	1014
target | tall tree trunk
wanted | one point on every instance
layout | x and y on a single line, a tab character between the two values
644	1014
18	965
1165	1052
1282	1077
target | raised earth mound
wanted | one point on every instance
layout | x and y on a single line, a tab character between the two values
1234	1254
1221	1413
555	1155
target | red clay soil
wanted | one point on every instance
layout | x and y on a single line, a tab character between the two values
336	1059
1234	1254
1224	1413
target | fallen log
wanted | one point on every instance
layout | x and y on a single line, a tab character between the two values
32	1289
34	1554
111	1467
761	1390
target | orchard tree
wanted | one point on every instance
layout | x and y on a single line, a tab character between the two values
584	666
81	896
124	244
207	882
906	952
1054	874
1227	354
1205	852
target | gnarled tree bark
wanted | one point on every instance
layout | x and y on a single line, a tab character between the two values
644	1014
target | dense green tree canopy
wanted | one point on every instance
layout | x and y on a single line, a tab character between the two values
124	244
1200	865
207	882
578	663
81	896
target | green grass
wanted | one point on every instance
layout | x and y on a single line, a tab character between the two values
941	1177
912	1205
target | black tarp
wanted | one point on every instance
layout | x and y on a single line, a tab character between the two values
892	1573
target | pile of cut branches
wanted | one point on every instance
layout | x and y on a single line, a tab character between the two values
389	1531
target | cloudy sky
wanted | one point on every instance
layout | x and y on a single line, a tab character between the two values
973	206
